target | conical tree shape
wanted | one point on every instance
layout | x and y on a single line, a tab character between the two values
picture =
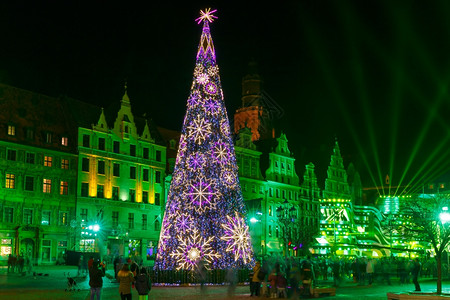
205	213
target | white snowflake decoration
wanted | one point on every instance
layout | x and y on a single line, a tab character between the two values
237	238
199	129
192	249
221	152
202	78
229	177
201	193
199	69
213	71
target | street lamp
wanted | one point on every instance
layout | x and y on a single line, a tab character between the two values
286	218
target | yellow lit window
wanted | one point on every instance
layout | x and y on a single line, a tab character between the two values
64	188
48	161
47	187
11	130
65	164
64	141
10	181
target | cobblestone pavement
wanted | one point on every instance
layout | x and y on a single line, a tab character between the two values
53	285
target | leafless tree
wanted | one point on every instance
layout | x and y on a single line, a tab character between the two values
430	223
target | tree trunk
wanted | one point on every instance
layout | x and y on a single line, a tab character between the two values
439	272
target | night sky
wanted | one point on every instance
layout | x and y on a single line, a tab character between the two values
374	74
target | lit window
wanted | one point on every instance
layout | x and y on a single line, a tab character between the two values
64	189
48	161
64	141
441	186
63	218
45	217
431	186
11	130
10	181
47	187
65	164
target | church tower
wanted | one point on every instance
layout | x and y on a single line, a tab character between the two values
253	113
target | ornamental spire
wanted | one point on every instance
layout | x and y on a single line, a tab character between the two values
206	46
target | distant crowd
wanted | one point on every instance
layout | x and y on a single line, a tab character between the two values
272	277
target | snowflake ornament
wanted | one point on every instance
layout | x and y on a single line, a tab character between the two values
213	71
211	88
221	153
238	238
211	107
193	248
201	193
228	177
199	129
195	161
202	78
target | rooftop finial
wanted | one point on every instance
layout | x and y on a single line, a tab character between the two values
206	15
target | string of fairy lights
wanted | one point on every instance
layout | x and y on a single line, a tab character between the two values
205	212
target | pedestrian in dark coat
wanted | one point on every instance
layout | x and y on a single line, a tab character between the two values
96	273
143	284
415	274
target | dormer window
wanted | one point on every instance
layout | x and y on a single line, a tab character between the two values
65	141
30	133
48	137
11	130
126	128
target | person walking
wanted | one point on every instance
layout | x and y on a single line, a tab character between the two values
255	284
415	274
96	273
143	284
125	278
370	269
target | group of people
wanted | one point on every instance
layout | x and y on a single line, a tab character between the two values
19	264
272	277
128	277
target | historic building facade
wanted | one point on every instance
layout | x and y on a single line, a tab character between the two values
38	173
121	190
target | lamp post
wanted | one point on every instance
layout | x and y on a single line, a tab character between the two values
285	217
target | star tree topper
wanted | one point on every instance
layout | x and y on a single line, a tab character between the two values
206	15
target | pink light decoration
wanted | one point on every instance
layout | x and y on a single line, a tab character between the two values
206	15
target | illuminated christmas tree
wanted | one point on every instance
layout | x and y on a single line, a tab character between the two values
205	212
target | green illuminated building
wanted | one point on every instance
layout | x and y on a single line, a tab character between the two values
38	175
121	185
